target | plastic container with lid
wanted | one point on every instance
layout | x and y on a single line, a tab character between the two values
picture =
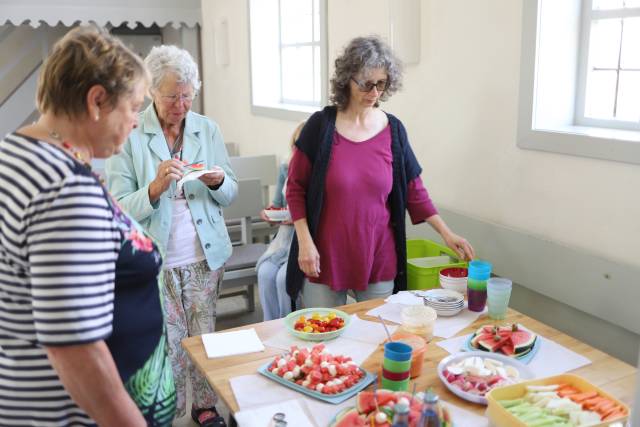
418	320
418	346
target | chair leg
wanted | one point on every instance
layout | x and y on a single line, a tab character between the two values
251	299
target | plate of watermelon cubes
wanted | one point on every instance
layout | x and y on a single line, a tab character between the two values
377	410
317	373
509	340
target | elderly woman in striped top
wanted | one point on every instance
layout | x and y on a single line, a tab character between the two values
82	339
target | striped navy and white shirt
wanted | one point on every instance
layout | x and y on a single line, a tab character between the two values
58	248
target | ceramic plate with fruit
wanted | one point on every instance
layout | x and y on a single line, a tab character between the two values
318	373
317	324
378	410
510	340
471	375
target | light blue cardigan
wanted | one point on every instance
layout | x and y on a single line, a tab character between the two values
130	173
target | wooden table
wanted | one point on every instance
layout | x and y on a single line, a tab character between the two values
605	371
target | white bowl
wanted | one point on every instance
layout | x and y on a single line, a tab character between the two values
458	285
278	215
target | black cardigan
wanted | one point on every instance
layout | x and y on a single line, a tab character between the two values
316	142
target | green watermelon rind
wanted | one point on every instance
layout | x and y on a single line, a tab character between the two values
520	350
340	416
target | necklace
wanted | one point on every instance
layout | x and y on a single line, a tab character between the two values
73	150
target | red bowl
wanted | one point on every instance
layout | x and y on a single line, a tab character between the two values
456	272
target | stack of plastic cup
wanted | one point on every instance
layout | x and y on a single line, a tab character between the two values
498	293
479	273
396	366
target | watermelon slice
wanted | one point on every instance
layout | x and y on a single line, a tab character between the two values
510	340
348	417
365	402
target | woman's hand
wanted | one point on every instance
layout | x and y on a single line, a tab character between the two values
213	178
460	246
168	171
309	259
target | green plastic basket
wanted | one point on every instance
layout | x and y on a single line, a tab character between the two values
428	277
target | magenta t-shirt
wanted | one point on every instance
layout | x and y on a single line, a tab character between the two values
354	236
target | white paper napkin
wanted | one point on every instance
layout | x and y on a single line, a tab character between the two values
222	344
261	416
255	390
551	359
445	327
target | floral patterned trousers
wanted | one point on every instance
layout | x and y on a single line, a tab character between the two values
190	295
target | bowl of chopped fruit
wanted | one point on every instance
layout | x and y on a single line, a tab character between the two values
317	324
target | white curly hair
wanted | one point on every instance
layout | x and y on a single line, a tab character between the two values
171	59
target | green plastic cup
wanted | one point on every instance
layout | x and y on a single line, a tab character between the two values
395	385
395	366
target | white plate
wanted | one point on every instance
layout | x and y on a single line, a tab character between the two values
443	296
278	215
525	371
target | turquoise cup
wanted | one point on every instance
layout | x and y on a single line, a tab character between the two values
498	295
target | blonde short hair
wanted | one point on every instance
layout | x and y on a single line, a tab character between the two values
86	56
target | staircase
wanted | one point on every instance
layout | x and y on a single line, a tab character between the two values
22	51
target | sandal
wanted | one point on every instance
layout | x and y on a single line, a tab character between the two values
207	417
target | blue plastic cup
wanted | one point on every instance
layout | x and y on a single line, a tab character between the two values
479	270
397	351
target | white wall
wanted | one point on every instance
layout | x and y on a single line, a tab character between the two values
459	105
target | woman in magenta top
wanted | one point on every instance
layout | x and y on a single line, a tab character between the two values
351	179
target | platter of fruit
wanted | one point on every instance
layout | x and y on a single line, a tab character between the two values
510	340
317	324
378	410
317	373
471	375
567	400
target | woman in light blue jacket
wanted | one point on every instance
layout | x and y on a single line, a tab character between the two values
184	216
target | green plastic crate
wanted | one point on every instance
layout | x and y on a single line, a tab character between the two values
423	277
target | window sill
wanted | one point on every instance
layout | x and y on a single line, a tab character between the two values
599	143
285	111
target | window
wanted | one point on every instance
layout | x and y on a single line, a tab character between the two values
610	68
580	78
288	57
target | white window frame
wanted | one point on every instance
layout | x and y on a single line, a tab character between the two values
588	16
539	126
289	109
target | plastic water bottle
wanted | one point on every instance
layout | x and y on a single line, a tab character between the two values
401	415
429	416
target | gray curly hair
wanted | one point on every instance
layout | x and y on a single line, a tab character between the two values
171	59
362	55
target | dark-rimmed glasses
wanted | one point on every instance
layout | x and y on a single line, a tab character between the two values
380	85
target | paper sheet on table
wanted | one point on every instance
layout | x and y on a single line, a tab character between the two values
222	344
445	327
359	340
190	177
463	418
294	412
244	388
255	390
551	359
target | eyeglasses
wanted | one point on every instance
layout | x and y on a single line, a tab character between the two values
184	98
380	85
